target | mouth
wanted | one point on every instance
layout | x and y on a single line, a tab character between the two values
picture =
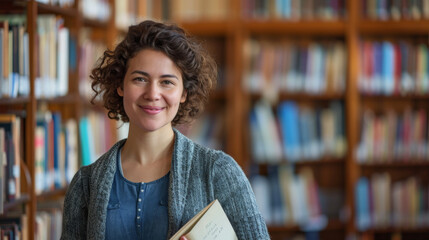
152	110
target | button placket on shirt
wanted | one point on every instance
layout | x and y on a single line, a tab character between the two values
140	197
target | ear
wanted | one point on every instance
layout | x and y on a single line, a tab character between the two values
120	91
184	95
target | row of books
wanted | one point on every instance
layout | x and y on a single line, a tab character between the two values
99	10
294	9
314	67
298	133
56	151
133	11
191	10
207	130
53	46
288	198
97	135
89	52
394	136
49	224
381	202
58	142
396	9
393	68
14	57
11	154
14	227
61	3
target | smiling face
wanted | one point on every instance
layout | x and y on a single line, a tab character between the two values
152	90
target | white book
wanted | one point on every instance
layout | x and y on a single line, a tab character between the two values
211	223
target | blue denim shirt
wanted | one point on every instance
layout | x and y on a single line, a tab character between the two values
137	210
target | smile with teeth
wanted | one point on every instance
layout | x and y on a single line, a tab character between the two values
151	109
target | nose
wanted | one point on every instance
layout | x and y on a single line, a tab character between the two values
152	92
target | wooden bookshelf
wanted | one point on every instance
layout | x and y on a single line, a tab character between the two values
235	102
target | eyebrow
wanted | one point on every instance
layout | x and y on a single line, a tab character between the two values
148	75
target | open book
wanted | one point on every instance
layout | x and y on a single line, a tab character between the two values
211	223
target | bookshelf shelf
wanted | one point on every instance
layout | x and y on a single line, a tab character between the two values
390	27
67	99
306	28
14	101
302	96
52	9
25	198
408	97
52	194
401	229
95	23
333	225
207	27
409	164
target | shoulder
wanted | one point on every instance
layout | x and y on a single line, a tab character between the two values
201	154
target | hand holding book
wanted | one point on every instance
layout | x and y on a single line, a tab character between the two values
211	223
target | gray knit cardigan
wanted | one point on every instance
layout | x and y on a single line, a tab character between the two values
198	175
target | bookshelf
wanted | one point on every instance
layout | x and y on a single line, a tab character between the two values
225	31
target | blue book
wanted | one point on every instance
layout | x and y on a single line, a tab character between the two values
56	118
362	202
288	116
388	68
84	140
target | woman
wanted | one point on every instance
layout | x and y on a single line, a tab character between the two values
149	185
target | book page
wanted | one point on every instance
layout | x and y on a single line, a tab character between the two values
211	223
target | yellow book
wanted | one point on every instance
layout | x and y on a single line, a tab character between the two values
211	223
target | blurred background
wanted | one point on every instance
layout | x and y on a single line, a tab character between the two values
323	103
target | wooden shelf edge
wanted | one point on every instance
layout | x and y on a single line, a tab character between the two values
52	9
13	101
304	27
393	229
59	192
396	164
303	96
320	161
206	27
24	198
377	97
333	225
402	27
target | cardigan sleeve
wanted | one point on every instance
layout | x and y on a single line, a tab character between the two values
75	211
233	190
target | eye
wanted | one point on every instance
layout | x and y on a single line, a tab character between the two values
167	82
140	79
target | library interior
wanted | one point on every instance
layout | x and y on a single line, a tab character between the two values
323	103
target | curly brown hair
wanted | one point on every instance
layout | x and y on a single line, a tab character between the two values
198	69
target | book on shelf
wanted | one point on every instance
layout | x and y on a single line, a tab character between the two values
394	67
53	57
382	202
313	68
395	9
294	9
211	223
290	198
56	153
298	133
13	140
392	136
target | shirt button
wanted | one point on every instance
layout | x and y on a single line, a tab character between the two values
140	199
142	190
138	217
139	209
138	225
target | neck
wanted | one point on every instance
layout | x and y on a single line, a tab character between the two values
148	147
